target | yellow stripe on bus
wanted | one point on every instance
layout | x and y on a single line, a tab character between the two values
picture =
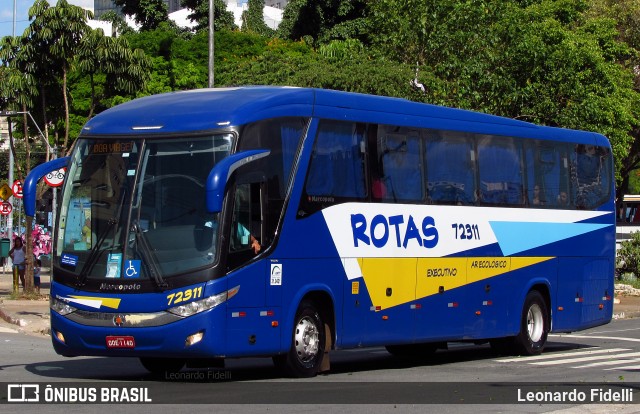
112	303
395	281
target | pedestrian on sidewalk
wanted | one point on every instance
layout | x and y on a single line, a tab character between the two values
17	255
36	274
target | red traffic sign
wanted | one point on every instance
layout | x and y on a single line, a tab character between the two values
55	178
17	189
5	208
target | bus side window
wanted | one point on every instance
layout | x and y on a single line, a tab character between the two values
450	169
592	177
241	221
401	168
246	225
337	165
500	170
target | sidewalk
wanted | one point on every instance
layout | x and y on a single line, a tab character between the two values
29	316
32	316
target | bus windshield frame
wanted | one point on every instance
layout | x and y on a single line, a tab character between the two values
135	209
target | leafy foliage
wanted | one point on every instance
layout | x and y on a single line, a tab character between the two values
253	19
320	21
628	256
222	18
147	13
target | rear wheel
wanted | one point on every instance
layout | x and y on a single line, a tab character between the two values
307	347
534	325
159	366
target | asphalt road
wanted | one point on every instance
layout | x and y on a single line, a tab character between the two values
363	380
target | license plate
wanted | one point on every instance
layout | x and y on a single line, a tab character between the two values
121	342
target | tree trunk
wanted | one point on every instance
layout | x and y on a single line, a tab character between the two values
28	273
27	148
66	106
44	120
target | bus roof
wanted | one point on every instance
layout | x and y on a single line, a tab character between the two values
209	109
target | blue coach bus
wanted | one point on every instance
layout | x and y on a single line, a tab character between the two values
288	222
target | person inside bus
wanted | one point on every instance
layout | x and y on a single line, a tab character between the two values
563	198
588	164
243	237
378	189
537	198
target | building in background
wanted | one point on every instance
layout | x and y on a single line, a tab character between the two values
278	4
4	134
100	7
272	12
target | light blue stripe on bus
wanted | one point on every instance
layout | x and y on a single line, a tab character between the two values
516	237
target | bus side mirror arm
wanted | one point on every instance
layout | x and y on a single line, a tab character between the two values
31	182
220	174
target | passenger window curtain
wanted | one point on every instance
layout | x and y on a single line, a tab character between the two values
450	171
337	163
500	172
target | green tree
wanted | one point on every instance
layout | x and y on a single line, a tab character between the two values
18	90
56	33
125	70
320	21
222	18
626	15
253	19
118	23
561	68
628	256
341	67
147	13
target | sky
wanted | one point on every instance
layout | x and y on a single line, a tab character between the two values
22	17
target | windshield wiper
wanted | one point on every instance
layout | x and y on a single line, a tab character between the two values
94	253
151	261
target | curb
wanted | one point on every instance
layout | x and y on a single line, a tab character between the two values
9	319
21	323
625	315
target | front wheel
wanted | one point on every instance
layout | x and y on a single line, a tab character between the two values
534	325
308	342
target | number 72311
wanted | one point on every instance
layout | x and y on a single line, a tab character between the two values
184	295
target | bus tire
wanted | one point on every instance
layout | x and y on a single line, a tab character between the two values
158	366
534	325
307	344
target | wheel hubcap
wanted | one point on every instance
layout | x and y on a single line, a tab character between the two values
535	323
307	339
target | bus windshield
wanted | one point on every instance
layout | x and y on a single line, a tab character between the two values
135	209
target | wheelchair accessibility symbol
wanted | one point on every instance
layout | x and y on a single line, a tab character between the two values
131	269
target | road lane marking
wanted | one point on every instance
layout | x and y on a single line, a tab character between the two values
598	337
7	330
623	360
610	356
624	367
591	351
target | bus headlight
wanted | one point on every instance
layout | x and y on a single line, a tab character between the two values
204	304
61	307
